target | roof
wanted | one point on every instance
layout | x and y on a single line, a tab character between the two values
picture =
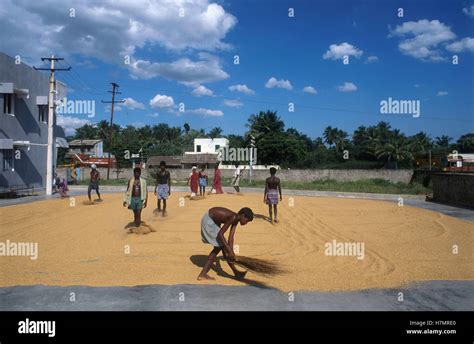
171	160
199	158
84	142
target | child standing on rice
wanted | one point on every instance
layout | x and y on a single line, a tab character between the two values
162	187
136	196
202	181
270	196
193	181
94	182
212	233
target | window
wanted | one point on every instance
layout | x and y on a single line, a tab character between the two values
217	147
43	113
7	159
198	148
8	103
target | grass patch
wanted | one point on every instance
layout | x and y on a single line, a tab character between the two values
376	185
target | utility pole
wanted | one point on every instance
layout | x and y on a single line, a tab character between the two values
252	146
114	92
51	108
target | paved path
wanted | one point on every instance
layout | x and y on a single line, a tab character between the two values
426	296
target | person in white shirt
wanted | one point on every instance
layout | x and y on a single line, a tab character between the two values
236	180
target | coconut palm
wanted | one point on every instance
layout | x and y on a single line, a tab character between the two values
396	150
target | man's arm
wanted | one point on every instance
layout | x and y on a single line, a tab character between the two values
126	194
265	192
146	194
231	236
169	183
228	249
279	189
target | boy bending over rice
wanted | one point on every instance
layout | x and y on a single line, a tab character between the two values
212	233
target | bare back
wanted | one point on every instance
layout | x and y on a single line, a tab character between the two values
273	182
222	215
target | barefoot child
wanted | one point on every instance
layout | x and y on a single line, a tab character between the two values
270	196
212	233
94	182
202	181
193	181
163	184
136	195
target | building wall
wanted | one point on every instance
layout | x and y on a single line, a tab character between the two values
403	176
208	145
454	188
30	169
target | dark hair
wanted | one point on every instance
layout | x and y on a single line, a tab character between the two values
162	163
247	212
236	164
273	170
137	169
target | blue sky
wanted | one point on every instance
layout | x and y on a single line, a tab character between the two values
405	58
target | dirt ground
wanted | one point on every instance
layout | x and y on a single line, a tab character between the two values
91	244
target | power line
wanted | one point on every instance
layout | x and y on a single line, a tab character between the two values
262	101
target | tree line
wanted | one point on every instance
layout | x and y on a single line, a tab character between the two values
374	146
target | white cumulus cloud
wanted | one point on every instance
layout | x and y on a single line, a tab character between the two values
273	82
233	103
207	112
310	89
161	101
338	51
372	59
202	91
465	44
133	104
347	87
241	88
70	124
111	31
423	38
469	11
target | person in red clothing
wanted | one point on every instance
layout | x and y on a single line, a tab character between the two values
193	181
216	185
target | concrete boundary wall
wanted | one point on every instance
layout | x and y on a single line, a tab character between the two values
454	188
403	176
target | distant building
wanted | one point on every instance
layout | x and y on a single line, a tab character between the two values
93	148
206	152
206	145
208	160
172	161
24	125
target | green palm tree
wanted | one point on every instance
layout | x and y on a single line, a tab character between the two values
443	141
265	122
330	135
396	150
215	132
466	143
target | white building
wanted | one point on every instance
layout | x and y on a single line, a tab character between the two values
209	145
206	152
